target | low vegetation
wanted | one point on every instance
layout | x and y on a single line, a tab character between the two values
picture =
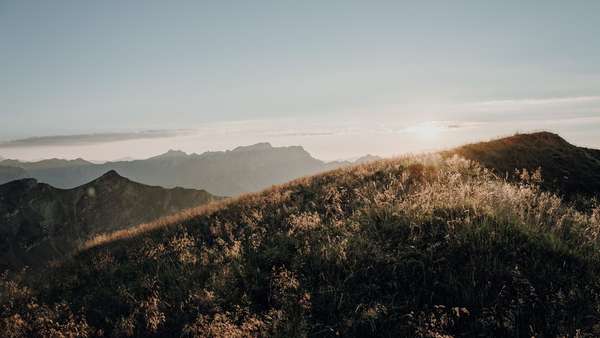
40	224
570	171
425	247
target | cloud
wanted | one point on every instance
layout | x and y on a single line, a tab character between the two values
575	104
87	139
541	101
307	133
526	109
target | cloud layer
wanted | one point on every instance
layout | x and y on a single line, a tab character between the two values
88	139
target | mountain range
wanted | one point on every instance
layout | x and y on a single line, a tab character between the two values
416	246
40	223
224	173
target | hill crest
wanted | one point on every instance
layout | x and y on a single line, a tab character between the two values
417	246
566	169
39	223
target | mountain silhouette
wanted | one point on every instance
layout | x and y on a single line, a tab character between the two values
566	169
224	173
39	223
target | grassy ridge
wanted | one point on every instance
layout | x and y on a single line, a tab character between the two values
407	247
568	170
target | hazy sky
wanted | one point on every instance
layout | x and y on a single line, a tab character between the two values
340	77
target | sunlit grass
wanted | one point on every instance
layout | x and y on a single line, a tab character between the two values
414	246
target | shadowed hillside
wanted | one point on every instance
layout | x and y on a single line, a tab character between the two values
565	168
39	223
407	247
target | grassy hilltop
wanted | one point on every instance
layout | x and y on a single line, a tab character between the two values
571	171
424	247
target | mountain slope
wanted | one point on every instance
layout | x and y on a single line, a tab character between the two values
39	223
8	174
407	247
565	168
224	173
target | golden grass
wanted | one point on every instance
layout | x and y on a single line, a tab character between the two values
177	218
211	207
418	245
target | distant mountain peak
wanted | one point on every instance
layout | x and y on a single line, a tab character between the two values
226	172
254	147
46	164
171	154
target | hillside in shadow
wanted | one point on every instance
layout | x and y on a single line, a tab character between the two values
425	247
40	223
565	169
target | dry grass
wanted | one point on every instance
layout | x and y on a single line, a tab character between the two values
140	229
568	170
414	246
211	207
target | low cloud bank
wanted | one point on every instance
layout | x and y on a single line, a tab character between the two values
87	139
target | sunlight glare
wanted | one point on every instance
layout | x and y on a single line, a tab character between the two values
426	130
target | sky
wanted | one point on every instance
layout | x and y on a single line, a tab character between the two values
110	79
